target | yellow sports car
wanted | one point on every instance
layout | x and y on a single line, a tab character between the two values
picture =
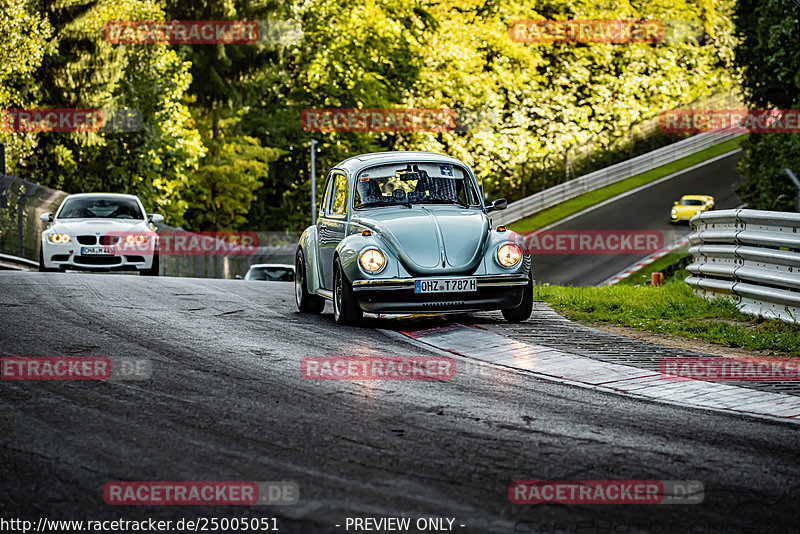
689	206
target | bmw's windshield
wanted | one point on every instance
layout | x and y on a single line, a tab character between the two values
414	183
100	208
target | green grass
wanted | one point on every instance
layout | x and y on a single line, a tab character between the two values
672	309
642	276
574	205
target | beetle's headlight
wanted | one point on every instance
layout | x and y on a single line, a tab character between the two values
674	211
136	239
509	255
372	260
58	238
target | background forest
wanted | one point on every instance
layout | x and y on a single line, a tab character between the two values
222	145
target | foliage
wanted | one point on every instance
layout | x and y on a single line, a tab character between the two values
81	70
222	190
769	58
22	46
457	54
386	53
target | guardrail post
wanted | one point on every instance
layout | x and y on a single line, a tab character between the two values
2	158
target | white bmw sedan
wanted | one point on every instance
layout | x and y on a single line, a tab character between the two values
100	232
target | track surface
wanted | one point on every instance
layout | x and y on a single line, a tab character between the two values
227	402
647	209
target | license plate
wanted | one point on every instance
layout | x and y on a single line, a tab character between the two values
93	251
446	285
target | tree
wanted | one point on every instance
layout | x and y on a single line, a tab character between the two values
220	193
81	70
22	47
769	58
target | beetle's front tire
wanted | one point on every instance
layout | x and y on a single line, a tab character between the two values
523	311
345	306
306	302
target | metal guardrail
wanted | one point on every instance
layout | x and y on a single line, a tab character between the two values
750	256
15	263
21	204
626	169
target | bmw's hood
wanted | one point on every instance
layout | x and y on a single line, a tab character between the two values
99	226
432	239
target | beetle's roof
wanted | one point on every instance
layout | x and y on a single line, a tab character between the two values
697	197
356	163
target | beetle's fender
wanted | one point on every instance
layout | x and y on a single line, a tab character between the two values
351	246
309	242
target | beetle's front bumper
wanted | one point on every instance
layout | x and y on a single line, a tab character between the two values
397	295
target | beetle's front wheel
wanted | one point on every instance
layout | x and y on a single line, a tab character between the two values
523	311
306	302
345	307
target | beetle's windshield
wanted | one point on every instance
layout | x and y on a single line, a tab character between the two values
691	202
414	183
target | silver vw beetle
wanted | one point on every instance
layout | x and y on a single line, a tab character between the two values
408	232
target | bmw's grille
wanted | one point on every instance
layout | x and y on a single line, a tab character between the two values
98	260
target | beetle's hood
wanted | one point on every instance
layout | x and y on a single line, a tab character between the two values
102	226
425	236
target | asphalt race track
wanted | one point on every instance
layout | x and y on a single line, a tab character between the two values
647	209
226	401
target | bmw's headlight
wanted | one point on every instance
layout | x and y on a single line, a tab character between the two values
58	238
136	239
372	260
509	255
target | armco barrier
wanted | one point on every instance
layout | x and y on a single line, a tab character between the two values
626	169
750	256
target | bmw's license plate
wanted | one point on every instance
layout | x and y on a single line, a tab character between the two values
94	251
446	285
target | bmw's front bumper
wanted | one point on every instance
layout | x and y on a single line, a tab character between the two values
397	295
67	256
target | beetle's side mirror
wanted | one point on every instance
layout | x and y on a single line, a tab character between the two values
155	218
46	217
238	277
499	204
675	203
